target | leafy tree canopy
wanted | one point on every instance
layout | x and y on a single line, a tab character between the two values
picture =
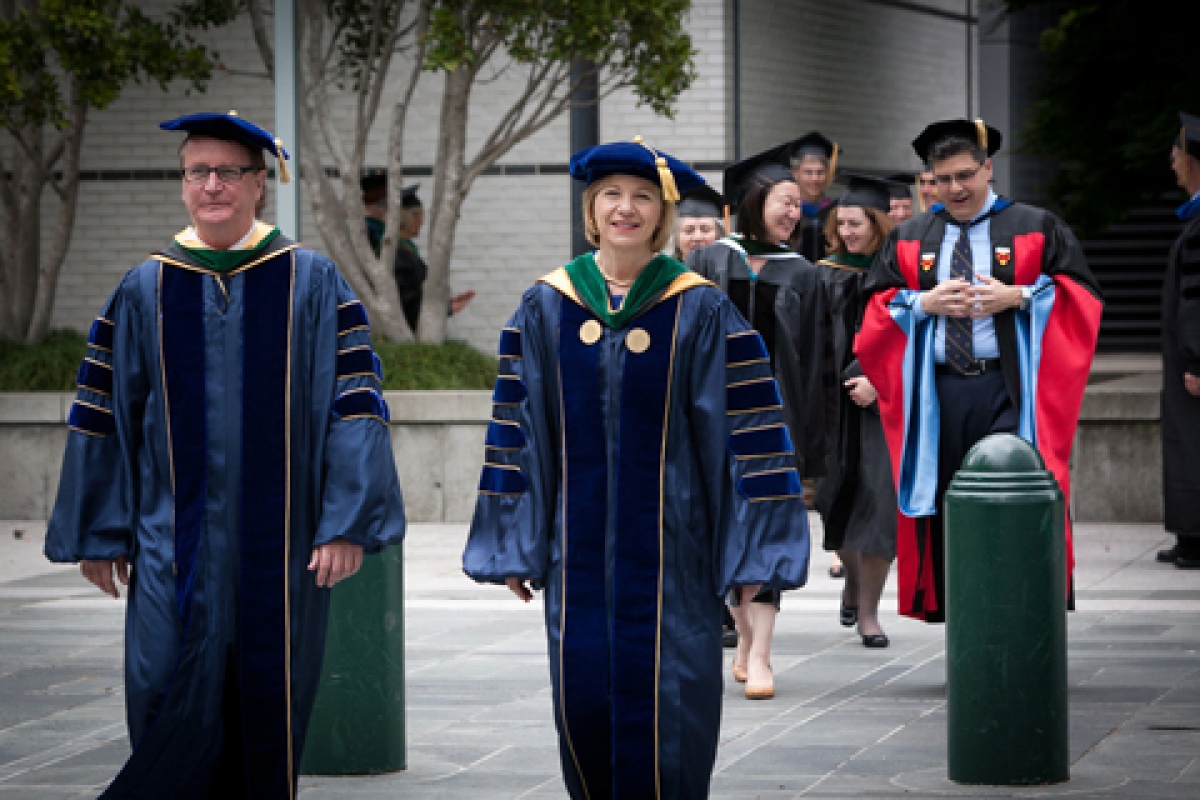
102	45
1117	73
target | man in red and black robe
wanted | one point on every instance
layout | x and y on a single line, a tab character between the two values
983	319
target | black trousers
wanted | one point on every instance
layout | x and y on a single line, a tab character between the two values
971	408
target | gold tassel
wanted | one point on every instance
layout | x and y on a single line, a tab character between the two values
728	228
667	179
981	133
284	175
920	197
832	166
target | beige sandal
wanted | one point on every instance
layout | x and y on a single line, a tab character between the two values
761	691
739	672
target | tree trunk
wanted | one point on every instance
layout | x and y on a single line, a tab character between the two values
23	224
449	192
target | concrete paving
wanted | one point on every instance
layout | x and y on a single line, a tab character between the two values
846	721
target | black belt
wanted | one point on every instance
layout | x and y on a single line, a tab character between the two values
976	368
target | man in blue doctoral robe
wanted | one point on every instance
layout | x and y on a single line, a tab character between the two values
229	461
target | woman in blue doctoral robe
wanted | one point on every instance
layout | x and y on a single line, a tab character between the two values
637	468
228	421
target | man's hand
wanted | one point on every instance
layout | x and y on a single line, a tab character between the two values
991	296
518	587
861	391
947	299
1192	384
334	561
101	574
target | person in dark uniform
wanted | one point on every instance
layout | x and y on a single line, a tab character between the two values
983	319
1181	361
409	268
856	498
779	293
813	162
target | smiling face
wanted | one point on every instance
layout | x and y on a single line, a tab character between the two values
854	228
781	211
626	212
694	233
221	212
901	209
962	184
811	173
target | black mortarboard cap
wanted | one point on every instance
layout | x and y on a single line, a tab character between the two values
703	201
812	143
974	130
374	187
866	191
1189	134
900	184
765	169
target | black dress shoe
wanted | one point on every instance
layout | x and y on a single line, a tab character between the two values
1183	562
848	615
837	571
1167	556
728	637
875	639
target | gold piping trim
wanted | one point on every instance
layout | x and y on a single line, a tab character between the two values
758	428
514	358
101	348
355	328
769	472
92	389
99	363
514	330
845	267
741	333
363	416
287	525
356	390
166	394
730	413
685	281
562	617
93	405
349	303
162	259
662	487
774	497
514	423
355	375
753	456
501	449
748	382
502	494
502	466
748	363
352	349
87	433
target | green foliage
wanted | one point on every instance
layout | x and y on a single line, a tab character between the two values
51	366
453	365
101	45
641	40
1116	74
47	367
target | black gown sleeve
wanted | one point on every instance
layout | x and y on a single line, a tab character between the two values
1187	332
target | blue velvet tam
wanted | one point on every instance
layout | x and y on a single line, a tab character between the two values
639	159
232	128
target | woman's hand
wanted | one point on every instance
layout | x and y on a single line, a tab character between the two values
861	391
518	587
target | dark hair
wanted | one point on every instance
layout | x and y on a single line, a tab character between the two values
956	145
750	220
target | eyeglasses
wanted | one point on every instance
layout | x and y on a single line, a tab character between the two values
225	174
928	182
960	177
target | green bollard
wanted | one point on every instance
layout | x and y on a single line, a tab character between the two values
357	724
1006	619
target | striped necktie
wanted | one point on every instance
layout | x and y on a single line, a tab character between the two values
960	350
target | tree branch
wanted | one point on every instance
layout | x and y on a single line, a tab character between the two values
261	39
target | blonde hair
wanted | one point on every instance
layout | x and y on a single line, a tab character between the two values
881	225
662	234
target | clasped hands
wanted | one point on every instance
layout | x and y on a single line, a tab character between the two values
957	298
332	562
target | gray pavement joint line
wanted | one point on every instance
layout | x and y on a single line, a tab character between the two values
557	779
865	748
1154	548
465	653
82	744
822	712
1125	721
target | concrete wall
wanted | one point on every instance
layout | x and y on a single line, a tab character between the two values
437	441
867	75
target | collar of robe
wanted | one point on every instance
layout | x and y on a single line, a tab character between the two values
753	247
227	260
998	206
855	260
1189	209
589	283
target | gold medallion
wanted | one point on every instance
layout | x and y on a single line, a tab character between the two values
637	340
589	332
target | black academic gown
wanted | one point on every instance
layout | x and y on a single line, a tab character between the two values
809	237
1180	410
786	304
857	496
410	271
